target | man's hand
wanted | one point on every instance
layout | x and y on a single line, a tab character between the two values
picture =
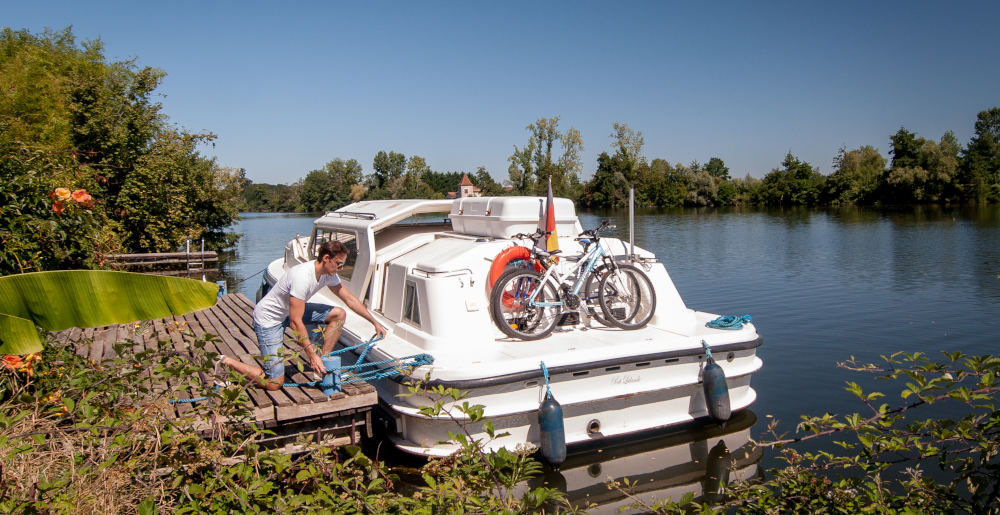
379	330
316	362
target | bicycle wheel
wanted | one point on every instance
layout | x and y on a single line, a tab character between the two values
511	312
590	294
627	297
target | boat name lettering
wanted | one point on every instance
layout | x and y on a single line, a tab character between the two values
626	379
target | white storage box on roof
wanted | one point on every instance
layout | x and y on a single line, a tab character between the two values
503	217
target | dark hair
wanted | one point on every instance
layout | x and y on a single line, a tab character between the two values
330	248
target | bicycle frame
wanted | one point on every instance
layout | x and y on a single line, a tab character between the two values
583	268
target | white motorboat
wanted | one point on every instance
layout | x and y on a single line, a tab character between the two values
421	267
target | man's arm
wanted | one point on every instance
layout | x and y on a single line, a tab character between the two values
356	306
296	310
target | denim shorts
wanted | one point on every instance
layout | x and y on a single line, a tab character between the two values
270	338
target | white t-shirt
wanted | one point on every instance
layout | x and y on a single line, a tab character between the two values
299	282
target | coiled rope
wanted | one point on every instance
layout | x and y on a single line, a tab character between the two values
730	323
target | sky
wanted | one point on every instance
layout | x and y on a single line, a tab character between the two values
289	86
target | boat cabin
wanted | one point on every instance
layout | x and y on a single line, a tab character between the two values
423	264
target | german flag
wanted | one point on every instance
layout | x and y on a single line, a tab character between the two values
552	241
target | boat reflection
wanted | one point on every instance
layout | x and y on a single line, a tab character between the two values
660	465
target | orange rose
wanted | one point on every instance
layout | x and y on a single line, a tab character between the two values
82	197
63	194
58	207
11	362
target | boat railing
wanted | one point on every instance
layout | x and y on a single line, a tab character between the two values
353	214
443	273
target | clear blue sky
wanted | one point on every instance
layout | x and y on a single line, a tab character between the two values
288	86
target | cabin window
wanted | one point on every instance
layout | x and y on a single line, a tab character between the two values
348	238
411	308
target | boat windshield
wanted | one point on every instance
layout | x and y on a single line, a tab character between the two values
348	238
425	218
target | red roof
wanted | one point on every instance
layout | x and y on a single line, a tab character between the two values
465	180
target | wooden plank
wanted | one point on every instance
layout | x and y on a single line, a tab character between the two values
241	320
76	337
278	397
244	341
97	345
157	333
208	255
284	413
244	300
228	345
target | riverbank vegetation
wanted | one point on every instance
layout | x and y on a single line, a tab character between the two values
918	171
89	163
83	437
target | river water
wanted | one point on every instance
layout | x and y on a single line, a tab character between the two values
821	285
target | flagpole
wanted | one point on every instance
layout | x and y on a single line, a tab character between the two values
631	222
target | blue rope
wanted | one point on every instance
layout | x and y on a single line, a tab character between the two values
545	373
195	399
708	350
731	323
380	371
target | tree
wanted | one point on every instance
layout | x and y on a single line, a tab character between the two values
330	187
605	188
412	185
387	166
270	198
442	182
928	173
980	178
797	183
615	173
717	168
856	177
88	124
532	166
487	186
904	147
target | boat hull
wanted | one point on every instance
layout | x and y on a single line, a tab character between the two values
607	401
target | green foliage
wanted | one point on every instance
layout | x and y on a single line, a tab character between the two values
77	436
888	459
270	198
70	119
857	176
531	167
331	187
58	300
442	182
797	183
981	159
923	171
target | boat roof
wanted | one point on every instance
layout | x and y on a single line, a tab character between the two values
377	214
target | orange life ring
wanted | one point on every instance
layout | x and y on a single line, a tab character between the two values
502	260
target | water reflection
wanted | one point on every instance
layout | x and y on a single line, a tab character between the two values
662	465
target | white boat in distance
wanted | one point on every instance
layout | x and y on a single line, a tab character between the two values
421	267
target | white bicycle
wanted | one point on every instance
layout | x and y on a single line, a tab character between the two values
527	304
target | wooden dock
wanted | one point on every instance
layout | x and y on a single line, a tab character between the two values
289	412
167	263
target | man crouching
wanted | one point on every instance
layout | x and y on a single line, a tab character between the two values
285	304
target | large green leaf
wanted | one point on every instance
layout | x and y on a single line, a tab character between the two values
90	298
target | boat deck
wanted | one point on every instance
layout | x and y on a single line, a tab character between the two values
290	411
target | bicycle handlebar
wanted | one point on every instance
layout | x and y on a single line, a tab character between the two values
537	234
605	224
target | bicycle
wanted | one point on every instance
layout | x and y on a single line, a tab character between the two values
526	303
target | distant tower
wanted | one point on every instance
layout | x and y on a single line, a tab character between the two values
465	187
